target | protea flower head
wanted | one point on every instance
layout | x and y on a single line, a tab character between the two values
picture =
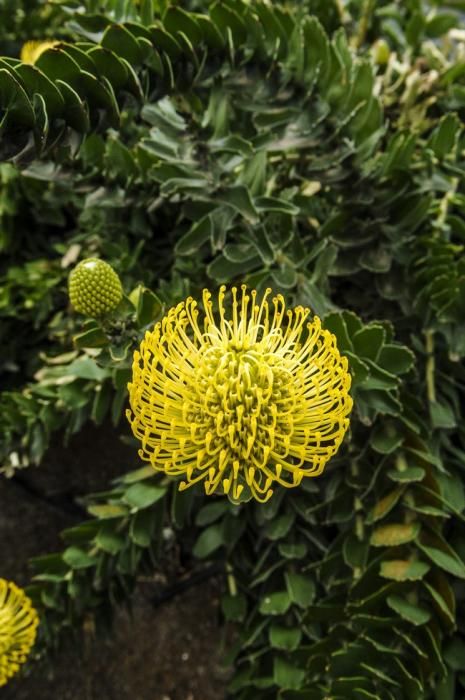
18	626
94	288
240	400
31	50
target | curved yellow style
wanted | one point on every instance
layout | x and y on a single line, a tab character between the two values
18	627
239	401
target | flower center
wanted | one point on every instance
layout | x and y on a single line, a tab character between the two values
242	406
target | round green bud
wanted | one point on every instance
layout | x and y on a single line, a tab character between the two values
381	52
94	288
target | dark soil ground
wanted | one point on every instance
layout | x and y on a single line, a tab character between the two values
172	652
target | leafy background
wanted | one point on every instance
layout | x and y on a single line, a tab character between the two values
317	149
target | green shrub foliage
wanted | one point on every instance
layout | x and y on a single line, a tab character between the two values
255	142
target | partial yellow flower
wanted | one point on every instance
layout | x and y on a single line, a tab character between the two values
18	626
31	50
240	401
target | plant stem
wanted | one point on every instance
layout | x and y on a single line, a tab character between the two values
430	366
364	23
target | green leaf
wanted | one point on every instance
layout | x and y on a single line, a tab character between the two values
108	510
385	505
78	558
15	105
293	551
279	527
284	638
109	65
93	338
276	603
368	342
238	197
442	415
301	589
403	570
177	20
386	438
148	307
143	495
209	541
37	82
394	534
108	539
224	270
226	19
412	613
355	551
274	204
56	64
75	111
142	525
234	607
118	39
441	604
197	235
407	476
445	135
86	368
286	675
336	324
211	512
454	654
453	565
441	23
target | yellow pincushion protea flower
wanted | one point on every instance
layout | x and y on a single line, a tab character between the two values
31	50
18	627
239	402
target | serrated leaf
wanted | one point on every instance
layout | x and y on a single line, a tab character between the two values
368	342
403	570
385	505
410	612
406	476
393	535
453	565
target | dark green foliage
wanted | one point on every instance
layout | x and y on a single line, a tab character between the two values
249	143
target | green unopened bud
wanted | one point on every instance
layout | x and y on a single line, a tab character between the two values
381	52
94	288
